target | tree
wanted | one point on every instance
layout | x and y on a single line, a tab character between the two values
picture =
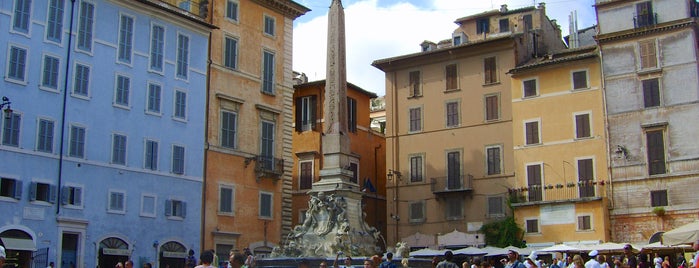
503	233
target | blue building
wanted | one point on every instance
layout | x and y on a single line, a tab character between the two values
103	131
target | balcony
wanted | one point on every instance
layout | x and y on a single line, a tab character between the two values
452	184
196	7
559	193
645	20
267	167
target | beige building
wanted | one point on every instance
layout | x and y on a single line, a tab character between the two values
560	149
449	126
247	195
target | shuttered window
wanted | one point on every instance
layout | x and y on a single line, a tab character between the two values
658	198
452	114
656	152
451	78
492	107
648	54
415	84
534	182
416	168
584	223
306	176
415	119
585	177
493	155
531	132
582	126
651	93
580	80
490	70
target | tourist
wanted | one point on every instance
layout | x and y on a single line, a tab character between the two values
555	263
389	261
447	262
147	265
190	261
643	261
696	255
128	264
531	261
485	264
323	264
602	261
513	260
404	262
2	256
666	262
435	261
369	263
236	260
206	258
119	265
577	262
629	259
592	263
657	261
348	261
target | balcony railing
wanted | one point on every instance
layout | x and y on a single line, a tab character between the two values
450	184
196	7
645	20
267	167
571	191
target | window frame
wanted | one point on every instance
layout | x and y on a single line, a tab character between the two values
122	96
270	25
652	97
268	72
586	131
156	49
14	194
71	141
526	93
501	201
234	131
497	170
125	39
175	162
585	188
15	138
142	211
229	63
53	78
452	119
86	28
488	113
54	21
490	70
529	182
112	210
417	121
154	103
116	156
414	84
303	177
417	172
661	170
577	222
236	18
48	139
151	154
573	79
24	63
526	226
306	113
260	205
420	205
660	196
507	25
652	61
43	193
221	188
352	115
78	79
182	56
14	28
538	132
451	77
483	26
454	208
179	106
171	209
75	191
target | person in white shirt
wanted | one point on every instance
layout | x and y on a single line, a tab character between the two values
658	261
592	263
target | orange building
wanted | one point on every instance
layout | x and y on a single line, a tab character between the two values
366	144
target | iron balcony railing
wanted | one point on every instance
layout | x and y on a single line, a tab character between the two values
196	7
645	20
581	190
269	166
448	184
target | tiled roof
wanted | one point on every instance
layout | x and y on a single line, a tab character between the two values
560	56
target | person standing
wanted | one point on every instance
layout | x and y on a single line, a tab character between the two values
602	261
513	260
2	256
206	258
629	259
389	261
658	261
447	262
236	260
128	264
696	255
190	261
593	263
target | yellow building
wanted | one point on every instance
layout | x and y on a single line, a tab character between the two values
449	127
247	195
367	144
560	149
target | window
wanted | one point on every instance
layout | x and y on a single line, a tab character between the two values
648	54
266	205
306	113
232	10
532	226
230	53
504	25
417	212
17	67
267	144
116	202
225	199
586	174
151	159
154	97
580	80
86	25
269	25
454	170
180	104
11	188
148	205
415	119
121	93
644	14
305	175
354	167
658	198
651	93
21	20
656	152
229	125
452	114
45	136
584	223
182	56
496	206
157	47
223	254
177	159
492	107
185	4
81	83
531	130
72	196
10	131
416	168
490	70
351	115
118	149
530	88
268	72
77	142
494	156
49	77
534	182
54	21
39	191
125	39
454	208
482	26
528	24
582	126
175	209
415	84
451	77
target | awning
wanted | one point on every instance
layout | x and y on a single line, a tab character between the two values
18	244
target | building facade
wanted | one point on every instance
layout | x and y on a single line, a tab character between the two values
247	198
649	65
560	149
449	126
367	144
113	110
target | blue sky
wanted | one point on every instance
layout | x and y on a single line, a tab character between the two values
377	29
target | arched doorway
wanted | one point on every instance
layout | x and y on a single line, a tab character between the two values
172	255
111	251
19	247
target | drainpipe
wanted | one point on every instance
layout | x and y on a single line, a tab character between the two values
63	108
206	149
395	152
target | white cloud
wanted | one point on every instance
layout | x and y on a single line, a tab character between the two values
376	31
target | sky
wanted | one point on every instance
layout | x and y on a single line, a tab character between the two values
379	29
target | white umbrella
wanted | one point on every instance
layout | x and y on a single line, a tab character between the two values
470	251
427	252
658	246
521	251
561	248
604	247
685	234
496	251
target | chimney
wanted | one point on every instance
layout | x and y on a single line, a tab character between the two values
503	8
542	6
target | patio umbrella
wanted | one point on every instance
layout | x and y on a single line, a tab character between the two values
470	251
561	248
608	247
496	251
427	252
685	234
658	247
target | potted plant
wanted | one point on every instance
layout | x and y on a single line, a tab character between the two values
659	211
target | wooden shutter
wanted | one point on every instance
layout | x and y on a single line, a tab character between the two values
184	209
299	114
489	70
580	80
53	194
491	108
493	160
415	84
651	93
314	109
532	132
648	56
582	126
656	152
451	76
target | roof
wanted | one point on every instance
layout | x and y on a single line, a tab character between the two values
495	12
322	82
287	7
178	12
560	56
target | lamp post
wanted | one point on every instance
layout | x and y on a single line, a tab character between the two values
395	216
6	102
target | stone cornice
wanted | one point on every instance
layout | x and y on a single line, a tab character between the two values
663	27
288	8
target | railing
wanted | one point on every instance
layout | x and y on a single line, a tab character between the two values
266	166
644	20
196	7
559	192
449	184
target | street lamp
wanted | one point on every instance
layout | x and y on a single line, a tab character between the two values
8	110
